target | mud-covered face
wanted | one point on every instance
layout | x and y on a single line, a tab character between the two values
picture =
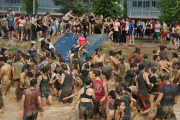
58	70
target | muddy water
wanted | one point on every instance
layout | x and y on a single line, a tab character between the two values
56	111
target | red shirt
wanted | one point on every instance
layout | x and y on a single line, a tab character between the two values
137	58
153	25
123	25
17	22
160	85
82	40
98	89
31	98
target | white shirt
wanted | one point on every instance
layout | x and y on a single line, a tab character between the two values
127	26
51	46
157	29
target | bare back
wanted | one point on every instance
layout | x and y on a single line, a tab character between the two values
6	69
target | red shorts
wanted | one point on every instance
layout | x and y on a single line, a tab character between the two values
143	101
164	34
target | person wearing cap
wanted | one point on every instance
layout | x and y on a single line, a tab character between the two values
134	56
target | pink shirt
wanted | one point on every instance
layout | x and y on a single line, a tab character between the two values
116	28
82	40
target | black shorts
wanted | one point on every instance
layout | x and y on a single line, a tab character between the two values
178	36
11	28
18	92
66	21
96	107
92	22
119	79
166	112
174	35
30	115
127	33
45	92
85	111
152	31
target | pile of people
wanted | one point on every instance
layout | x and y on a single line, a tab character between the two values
151	84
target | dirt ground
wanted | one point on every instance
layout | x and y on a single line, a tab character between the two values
63	112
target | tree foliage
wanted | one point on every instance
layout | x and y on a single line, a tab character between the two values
27	6
108	8
78	6
169	9
125	10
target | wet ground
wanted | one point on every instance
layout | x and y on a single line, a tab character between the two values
56	111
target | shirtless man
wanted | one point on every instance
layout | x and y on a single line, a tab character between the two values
163	33
85	23
5	74
46	25
66	20
114	61
99	57
162	63
53	66
91	21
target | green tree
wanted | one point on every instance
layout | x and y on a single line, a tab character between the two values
27	6
176	9
125	10
108	8
169	10
78	6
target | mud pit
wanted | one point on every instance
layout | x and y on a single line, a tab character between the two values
56	111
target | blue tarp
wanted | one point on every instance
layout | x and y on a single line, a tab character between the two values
65	43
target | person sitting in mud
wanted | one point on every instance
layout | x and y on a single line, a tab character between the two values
111	96
167	98
130	74
30	97
120	72
99	58
126	97
5	74
118	112
146	63
156	63
143	84
1	101
66	82
44	81
86	95
16	71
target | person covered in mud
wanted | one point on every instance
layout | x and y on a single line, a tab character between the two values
126	97
118	112
5	74
16	71
120	72
177	77
162	63
114	61
156	63
30	97
162	52
50	62
86	95
31	63
146	63
89	61
143	84
99	57
130	74
100	89
86	22
104	107
44	81
134	57
92	73
66	82
167	98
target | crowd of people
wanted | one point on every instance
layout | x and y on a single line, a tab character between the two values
140	85
121	30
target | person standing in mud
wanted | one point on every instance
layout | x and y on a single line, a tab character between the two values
163	33
142	83
44	81
99	57
29	101
130	74
146	63
86	94
167	98
66	82
156	62
5	74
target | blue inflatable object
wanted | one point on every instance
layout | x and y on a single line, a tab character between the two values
65	43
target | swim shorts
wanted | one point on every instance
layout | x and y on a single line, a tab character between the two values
85	111
166	112
30	115
143	101
5	87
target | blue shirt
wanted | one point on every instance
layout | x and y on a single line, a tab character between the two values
86	55
43	63
10	21
60	21
32	52
131	28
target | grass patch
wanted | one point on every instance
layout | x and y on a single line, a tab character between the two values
149	41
